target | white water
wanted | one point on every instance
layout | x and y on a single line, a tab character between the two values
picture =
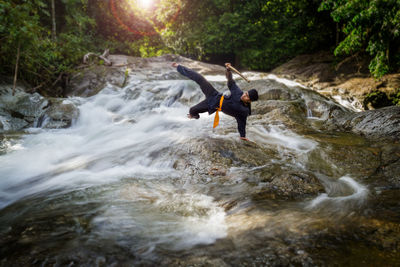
283	138
358	195
122	134
352	104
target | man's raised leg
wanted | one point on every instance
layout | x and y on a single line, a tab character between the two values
205	86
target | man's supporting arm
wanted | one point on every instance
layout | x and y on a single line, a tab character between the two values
241	122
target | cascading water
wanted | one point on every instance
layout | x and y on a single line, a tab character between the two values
109	189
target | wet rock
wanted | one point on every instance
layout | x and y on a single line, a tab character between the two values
92	80
291	186
20	110
376	124
390	164
61	114
328	159
9	123
25	110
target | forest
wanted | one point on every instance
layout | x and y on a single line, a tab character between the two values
44	41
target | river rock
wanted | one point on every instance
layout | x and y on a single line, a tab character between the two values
20	110
93	79
376	124
297	185
25	110
389	168
60	114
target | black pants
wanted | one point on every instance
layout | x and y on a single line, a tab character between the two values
208	91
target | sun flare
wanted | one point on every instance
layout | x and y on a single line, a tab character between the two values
146	4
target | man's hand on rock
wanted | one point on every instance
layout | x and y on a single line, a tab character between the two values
174	64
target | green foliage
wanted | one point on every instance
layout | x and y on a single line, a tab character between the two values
369	25
395	97
151	48
256	34
43	60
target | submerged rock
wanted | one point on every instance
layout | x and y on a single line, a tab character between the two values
291	186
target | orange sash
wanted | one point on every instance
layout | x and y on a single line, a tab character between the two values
216	119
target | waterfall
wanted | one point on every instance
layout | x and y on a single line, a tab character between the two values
134	178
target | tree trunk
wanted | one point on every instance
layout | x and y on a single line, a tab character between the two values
16	68
53	19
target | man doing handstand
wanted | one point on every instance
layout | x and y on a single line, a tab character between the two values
237	105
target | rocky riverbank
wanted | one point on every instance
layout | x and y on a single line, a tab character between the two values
350	79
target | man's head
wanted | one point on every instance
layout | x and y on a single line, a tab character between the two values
249	96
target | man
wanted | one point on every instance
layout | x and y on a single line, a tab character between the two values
237	105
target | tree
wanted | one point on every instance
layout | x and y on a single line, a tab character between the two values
257	34
369	25
29	49
19	25
53	19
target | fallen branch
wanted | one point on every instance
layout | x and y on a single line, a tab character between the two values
103	57
34	89
58	79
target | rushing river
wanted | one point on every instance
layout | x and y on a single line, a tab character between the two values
127	185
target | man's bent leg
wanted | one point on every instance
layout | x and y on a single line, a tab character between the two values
199	108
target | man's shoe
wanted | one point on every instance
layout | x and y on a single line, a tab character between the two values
193	117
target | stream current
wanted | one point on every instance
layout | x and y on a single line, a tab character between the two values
112	188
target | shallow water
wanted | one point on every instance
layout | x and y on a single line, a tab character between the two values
109	190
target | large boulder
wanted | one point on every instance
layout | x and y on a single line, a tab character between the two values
23	110
375	124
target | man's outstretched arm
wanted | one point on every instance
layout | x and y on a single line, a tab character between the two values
230	81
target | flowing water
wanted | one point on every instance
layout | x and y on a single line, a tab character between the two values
112	189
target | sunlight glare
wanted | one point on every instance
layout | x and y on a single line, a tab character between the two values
146	4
